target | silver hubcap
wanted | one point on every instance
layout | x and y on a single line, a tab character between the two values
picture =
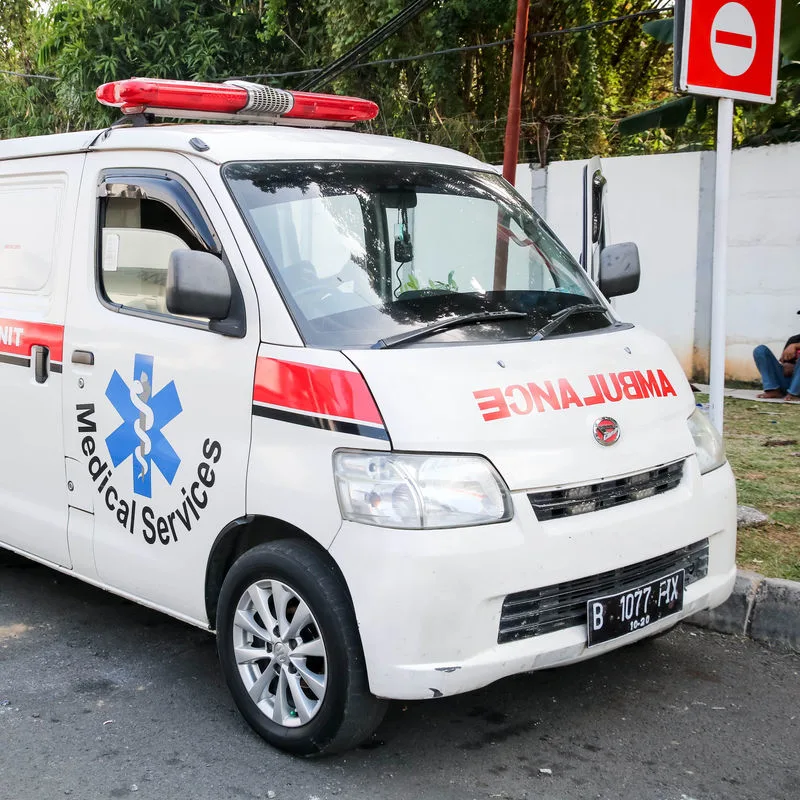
280	653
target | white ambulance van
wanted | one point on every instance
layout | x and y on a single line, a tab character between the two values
344	400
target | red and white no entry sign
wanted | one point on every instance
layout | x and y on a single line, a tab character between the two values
730	49
733	39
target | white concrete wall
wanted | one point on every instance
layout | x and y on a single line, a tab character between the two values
764	253
651	201
662	203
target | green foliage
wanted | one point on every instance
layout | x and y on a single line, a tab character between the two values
790	30
766	477
412	283
88	42
450	284
661	29
669	115
577	85
756	125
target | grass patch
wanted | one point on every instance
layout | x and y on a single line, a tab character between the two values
758	441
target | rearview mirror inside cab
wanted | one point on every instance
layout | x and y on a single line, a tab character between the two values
619	269
198	285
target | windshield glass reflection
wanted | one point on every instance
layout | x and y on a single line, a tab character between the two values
362	252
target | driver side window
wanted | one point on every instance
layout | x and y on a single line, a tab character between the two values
145	216
137	239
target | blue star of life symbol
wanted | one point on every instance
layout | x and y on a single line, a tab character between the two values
144	414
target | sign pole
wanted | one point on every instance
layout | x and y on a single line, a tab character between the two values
727	49
719	269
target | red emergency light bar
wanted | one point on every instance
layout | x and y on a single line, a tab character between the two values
234	99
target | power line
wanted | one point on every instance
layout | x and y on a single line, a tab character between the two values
535	35
340	65
27	75
599	24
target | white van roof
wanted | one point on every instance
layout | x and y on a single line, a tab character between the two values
243	143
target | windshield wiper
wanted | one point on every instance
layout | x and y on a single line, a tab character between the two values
559	317
444	324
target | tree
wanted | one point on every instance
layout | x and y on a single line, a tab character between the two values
88	42
687	119
575	83
574	87
578	84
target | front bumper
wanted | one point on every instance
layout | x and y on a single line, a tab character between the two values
428	603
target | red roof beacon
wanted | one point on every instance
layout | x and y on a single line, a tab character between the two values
232	100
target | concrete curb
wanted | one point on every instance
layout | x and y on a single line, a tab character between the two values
765	609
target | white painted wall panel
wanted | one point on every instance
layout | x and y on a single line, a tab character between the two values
764	253
651	201
655	201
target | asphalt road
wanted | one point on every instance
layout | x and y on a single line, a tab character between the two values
100	698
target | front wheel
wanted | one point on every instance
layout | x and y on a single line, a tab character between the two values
291	655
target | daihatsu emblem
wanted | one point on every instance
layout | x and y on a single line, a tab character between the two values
606	431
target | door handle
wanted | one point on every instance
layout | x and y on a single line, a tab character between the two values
85	357
39	353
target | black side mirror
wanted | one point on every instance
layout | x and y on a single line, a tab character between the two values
619	269
198	285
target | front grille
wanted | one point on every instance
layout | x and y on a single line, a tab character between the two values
606	494
563	605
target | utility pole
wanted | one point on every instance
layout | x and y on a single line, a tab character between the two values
511	144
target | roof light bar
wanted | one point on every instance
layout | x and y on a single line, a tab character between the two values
233	99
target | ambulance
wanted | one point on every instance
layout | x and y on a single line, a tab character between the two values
342	399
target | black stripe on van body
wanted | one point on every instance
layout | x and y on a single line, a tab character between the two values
17	361
323	423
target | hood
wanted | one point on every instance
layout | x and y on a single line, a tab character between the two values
531	407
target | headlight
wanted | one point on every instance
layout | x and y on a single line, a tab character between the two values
398	490
710	448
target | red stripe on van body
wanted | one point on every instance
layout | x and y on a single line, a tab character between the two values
315	390
17	337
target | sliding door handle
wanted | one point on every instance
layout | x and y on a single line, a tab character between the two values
84	357
39	355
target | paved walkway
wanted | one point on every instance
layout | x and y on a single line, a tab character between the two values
739	394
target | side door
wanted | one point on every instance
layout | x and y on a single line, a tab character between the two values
37	202
157	406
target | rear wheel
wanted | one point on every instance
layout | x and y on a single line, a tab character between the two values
289	648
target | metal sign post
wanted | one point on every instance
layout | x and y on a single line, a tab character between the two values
719	270
728	50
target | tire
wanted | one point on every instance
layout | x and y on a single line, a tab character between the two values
302	683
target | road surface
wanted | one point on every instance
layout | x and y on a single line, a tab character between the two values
100	698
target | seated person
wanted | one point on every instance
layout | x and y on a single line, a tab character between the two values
780	377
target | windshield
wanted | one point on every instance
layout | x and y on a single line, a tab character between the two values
367	251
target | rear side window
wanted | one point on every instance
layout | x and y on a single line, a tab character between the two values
30	218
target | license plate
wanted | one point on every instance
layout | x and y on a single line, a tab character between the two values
625	612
